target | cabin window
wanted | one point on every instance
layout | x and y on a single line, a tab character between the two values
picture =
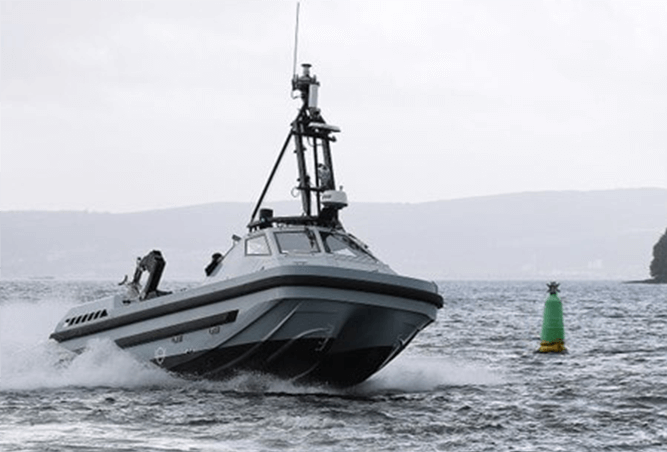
297	242
342	245
257	246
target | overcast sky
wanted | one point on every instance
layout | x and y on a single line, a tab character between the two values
132	105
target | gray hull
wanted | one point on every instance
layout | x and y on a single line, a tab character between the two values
309	323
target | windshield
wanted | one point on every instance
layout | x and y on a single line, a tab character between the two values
342	245
257	246
297	242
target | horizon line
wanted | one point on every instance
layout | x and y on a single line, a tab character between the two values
187	206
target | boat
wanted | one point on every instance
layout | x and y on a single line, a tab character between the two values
299	297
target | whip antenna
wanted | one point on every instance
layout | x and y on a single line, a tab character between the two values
296	40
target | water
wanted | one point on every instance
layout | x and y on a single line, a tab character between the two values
470	382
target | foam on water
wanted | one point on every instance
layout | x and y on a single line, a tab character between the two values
29	360
25	323
403	375
101	364
423	374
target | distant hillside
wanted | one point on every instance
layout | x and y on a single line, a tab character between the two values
593	235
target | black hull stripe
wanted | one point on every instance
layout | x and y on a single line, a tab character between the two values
411	293
174	330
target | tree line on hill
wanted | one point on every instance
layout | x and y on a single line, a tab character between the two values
659	263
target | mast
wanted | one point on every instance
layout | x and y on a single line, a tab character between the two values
320	201
308	86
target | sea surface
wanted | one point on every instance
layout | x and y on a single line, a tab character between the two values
469	382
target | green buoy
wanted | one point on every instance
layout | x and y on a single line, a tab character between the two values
553	333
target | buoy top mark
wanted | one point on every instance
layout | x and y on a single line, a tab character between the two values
553	287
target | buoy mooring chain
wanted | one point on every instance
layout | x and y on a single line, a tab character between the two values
553	333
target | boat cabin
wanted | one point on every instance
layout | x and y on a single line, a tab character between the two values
296	245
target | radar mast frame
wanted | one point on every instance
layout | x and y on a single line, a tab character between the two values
320	201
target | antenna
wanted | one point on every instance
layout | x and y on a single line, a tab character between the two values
296	40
